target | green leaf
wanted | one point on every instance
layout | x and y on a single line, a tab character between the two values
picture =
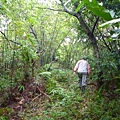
110	22
117	1
113	65
91	1
98	10
79	6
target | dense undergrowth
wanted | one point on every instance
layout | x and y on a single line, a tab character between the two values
57	96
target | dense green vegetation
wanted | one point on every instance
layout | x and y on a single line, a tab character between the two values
40	42
68	103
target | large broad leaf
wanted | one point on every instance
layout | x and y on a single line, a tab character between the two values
117	1
109	22
79	6
97	9
100	13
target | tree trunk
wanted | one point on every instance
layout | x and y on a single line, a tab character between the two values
91	36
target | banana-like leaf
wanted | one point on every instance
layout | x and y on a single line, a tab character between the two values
109	22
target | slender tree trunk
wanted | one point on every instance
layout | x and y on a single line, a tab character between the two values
54	52
90	34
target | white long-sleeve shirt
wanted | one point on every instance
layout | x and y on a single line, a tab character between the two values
82	66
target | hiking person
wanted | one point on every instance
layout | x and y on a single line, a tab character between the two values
82	67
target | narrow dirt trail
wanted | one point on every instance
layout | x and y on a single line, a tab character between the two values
30	101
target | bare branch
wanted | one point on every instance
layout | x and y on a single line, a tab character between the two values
59	10
9	40
110	49
95	25
67	2
66	9
32	31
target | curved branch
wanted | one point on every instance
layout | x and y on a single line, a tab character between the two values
85	27
105	42
59	10
9	40
67	10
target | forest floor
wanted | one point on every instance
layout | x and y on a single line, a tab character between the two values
29	99
19	100
32	96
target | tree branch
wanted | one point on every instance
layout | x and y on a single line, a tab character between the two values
9	40
105	42
78	16
57	49
67	10
35	35
67	2
85	27
95	25
59	10
33	32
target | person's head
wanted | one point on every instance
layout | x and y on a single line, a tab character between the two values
84	58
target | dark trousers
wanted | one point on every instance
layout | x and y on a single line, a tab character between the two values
82	80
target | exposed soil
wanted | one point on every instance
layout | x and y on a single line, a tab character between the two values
19	99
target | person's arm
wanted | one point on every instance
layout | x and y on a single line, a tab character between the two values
76	67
